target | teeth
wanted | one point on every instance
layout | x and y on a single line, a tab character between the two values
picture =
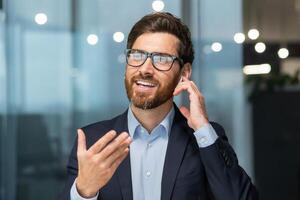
145	83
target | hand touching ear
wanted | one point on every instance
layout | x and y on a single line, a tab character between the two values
196	114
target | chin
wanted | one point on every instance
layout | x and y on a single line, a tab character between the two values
142	103
147	104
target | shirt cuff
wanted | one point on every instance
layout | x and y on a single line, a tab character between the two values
205	136
76	196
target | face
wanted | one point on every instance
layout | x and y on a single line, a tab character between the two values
147	87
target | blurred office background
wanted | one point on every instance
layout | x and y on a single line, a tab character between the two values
62	67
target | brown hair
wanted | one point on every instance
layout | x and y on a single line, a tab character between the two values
167	23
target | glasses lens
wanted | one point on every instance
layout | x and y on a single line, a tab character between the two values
135	58
162	62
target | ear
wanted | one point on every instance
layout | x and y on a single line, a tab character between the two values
186	70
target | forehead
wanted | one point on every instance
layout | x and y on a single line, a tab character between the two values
157	42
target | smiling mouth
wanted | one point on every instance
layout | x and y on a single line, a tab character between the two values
145	83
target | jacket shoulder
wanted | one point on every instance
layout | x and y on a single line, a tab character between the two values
96	130
100	125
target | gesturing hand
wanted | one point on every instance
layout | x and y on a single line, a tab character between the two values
196	115
97	164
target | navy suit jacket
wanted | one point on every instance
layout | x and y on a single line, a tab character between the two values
190	172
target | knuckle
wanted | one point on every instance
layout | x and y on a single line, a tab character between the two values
123	148
99	144
103	166
89	154
109	148
94	160
119	151
109	170
104	139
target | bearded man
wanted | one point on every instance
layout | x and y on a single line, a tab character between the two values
154	150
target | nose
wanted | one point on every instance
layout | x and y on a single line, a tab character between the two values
147	67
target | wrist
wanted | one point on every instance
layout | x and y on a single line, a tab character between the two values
200	124
83	191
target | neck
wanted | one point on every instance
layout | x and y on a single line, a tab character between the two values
150	118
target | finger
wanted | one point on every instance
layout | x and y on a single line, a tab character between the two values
184	79
193	85
179	88
185	112
183	86
81	146
118	153
196	88
114	145
120	148
119	160
103	141
199	94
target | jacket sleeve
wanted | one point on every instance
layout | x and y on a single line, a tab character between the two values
227	180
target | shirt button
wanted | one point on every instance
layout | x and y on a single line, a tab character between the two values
149	145
203	140
148	173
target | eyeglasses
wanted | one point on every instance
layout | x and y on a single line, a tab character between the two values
161	61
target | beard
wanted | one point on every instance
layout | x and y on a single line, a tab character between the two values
143	100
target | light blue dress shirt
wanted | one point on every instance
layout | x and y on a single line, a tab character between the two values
147	155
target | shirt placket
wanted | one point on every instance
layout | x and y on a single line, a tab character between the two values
148	168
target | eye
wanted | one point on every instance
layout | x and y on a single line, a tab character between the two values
163	59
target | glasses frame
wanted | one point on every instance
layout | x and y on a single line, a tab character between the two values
151	55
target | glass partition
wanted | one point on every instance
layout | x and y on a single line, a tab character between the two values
60	68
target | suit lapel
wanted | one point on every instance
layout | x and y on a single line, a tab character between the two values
124	170
176	147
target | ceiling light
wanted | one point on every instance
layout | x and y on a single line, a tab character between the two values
283	53
253	34
239	38
92	39
260	47
118	36
41	18
257	69
158	5
216	47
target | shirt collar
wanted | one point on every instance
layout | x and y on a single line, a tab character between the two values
133	123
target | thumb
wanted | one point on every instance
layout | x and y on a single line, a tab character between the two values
81	147
185	112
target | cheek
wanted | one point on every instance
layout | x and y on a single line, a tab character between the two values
129	72
170	80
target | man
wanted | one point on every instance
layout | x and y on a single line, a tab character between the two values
154	150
